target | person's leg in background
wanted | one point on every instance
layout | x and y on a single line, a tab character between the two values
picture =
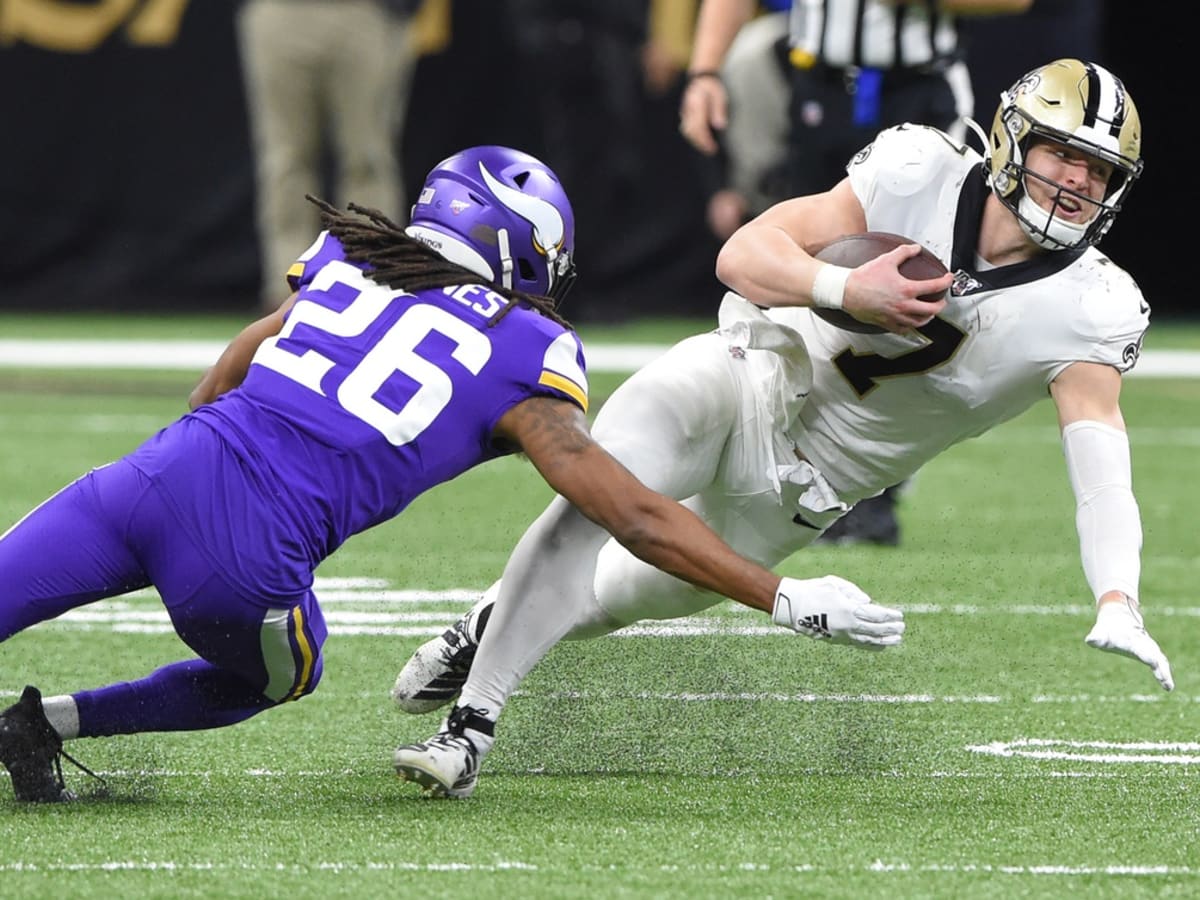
368	90
283	50
822	139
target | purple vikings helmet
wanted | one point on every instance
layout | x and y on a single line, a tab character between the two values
502	214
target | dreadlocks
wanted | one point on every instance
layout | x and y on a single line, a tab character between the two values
371	238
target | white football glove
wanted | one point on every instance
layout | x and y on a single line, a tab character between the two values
836	610
1119	629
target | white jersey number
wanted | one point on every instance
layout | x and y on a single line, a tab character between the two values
394	352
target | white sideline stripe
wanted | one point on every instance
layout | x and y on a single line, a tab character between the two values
878	866
43	353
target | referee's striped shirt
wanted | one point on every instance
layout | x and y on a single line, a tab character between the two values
872	34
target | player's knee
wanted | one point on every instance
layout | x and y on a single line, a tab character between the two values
309	684
291	654
297	683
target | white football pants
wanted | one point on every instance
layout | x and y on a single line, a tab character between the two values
687	425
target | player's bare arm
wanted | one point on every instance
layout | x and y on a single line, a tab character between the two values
769	261
554	435
1088	391
1087	397
234	362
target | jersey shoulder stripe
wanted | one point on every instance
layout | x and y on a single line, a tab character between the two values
563	369
568	387
324	250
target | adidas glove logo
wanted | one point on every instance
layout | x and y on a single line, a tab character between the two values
817	626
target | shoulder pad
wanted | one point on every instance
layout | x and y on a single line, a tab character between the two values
905	158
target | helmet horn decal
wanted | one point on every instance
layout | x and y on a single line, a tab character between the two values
502	214
547	222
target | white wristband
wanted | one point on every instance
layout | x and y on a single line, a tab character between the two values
829	286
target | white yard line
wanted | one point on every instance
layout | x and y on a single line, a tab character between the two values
1162	752
758	697
142	865
196	356
882	867
364	608
369	592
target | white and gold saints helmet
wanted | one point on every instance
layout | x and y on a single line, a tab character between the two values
1079	104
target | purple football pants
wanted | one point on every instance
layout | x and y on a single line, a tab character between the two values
109	533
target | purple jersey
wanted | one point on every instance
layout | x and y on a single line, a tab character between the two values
366	398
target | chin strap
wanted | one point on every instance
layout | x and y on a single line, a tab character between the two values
506	263
1056	234
980	133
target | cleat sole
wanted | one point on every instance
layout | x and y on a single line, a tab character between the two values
428	782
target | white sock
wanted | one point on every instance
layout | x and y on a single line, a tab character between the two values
484	604
555	565
63	715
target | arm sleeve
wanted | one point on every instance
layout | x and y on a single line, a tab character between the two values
1106	511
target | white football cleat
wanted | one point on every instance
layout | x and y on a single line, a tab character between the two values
435	674
446	765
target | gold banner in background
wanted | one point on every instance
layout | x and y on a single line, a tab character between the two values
80	28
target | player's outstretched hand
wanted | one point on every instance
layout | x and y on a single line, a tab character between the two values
834	609
1119	629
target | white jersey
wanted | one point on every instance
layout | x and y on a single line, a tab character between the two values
883	405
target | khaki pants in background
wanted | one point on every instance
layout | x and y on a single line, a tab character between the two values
321	73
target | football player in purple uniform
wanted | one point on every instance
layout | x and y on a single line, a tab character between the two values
403	357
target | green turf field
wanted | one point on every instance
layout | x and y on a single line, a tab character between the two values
991	755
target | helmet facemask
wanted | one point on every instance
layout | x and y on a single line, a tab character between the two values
562	273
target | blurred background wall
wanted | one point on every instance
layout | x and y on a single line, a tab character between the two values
126	177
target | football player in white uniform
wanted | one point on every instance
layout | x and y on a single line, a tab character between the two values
773	426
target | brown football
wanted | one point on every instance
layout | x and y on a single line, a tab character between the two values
855	249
